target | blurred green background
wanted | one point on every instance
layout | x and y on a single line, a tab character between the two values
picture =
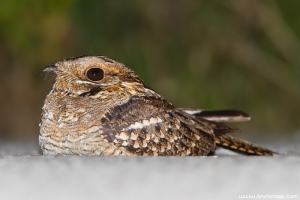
198	54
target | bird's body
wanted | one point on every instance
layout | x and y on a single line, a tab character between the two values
98	106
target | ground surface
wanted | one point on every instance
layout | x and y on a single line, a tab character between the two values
24	174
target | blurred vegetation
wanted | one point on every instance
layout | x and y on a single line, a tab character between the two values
199	54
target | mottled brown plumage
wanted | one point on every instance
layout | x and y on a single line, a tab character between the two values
98	106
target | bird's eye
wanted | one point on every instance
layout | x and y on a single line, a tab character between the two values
95	74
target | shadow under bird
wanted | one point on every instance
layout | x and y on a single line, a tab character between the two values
98	106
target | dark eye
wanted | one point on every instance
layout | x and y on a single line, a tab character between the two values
95	74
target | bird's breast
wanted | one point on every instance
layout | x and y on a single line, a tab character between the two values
70	126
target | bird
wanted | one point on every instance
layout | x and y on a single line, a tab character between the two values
100	107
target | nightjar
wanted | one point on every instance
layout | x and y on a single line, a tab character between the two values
98	106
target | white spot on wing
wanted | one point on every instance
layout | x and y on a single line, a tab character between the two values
224	118
159	119
137	125
192	112
123	136
125	143
136	144
133	136
228	119
153	120
144	123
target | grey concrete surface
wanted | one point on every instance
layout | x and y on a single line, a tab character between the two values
24	174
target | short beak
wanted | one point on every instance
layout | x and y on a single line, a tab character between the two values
51	68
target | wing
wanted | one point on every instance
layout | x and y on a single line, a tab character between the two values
242	146
219	115
215	119
150	126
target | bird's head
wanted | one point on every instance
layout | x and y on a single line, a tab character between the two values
87	74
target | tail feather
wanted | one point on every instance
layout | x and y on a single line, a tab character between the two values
219	115
220	128
241	146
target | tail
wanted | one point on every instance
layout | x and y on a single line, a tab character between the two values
216	118
241	146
